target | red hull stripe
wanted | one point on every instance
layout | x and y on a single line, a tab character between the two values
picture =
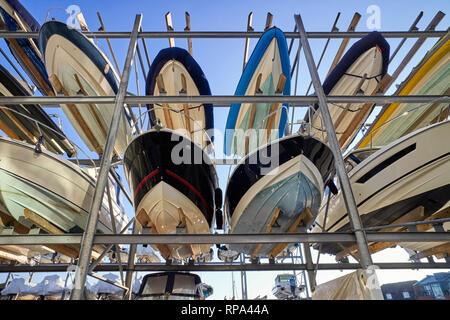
145	180
187	184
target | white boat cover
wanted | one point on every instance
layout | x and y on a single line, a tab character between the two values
102	287
52	285
147	252
358	285
136	285
18	286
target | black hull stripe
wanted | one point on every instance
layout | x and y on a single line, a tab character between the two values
388	185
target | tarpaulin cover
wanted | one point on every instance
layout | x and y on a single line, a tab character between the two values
358	285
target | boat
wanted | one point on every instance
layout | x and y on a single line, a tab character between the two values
267	72
77	67
358	285
135	287
18	289
52	287
168	195
404	181
170	286
47	190
145	254
358	72
207	290
27	253
430	77
168	168
14	17
28	122
276	189
286	287
106	291
277	184
23	254
175	72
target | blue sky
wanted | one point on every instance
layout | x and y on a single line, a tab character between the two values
221	61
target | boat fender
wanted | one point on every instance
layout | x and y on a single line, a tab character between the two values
38	149
218	198
332	187
219	219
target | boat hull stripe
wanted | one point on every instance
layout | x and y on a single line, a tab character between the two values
187	184
144	181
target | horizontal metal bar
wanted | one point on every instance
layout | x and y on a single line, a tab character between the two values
226	161
222	99
225	238
98	277
233	34
222	267
90	163
406	224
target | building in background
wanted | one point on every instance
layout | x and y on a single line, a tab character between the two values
399	290
433	287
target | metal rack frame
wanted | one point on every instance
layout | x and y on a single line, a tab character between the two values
88	238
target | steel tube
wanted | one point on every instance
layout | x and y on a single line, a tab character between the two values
406	224
45	239
222	101
232	34
223	267
130	264
106	250
363	248
88	236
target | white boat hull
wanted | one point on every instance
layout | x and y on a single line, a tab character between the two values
49	186
167	209
420	175
64	59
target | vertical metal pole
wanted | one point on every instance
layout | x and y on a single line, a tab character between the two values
63	295
349	199
145	49
144	73
105	164
309	266
324	229
296	80
130	266
114	229
303	272
7	279
243	280
233	285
